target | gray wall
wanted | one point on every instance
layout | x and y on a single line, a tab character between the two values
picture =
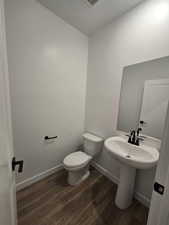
136	37
132	86
48	71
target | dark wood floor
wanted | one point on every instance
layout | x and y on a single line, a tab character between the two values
53	202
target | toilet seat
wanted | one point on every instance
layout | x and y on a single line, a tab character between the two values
76	160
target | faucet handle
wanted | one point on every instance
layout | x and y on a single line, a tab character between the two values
138	131
131	131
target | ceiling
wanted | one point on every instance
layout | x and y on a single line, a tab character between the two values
87	18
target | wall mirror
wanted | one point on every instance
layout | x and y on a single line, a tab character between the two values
145	97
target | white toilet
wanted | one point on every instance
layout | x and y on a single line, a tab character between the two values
77	163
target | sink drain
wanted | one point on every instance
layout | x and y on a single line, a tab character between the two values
128	156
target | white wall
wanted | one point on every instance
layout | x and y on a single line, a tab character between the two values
48	69
140	35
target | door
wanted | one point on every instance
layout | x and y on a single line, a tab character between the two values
7	179
154	107
159	208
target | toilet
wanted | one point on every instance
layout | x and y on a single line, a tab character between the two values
77	163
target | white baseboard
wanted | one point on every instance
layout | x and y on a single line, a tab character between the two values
143	199
140	197
37	177
105	172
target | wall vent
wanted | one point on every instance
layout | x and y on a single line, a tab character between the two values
92	2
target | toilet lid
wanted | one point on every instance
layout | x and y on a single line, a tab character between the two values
76	159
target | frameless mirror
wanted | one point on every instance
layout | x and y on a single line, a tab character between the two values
144	97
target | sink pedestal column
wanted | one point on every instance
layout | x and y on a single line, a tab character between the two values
126	185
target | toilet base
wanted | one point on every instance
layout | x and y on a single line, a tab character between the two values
76	177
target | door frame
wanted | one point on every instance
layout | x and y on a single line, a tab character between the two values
151	83
5	112
158	202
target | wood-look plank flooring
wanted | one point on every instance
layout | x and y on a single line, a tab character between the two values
53	202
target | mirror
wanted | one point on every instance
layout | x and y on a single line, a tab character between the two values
144	97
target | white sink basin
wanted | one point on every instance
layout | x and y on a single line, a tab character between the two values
139	157
132	157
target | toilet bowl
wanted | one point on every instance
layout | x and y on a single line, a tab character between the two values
77	163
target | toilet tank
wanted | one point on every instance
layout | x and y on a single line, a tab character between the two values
92	144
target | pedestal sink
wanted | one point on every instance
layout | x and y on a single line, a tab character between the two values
131	157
